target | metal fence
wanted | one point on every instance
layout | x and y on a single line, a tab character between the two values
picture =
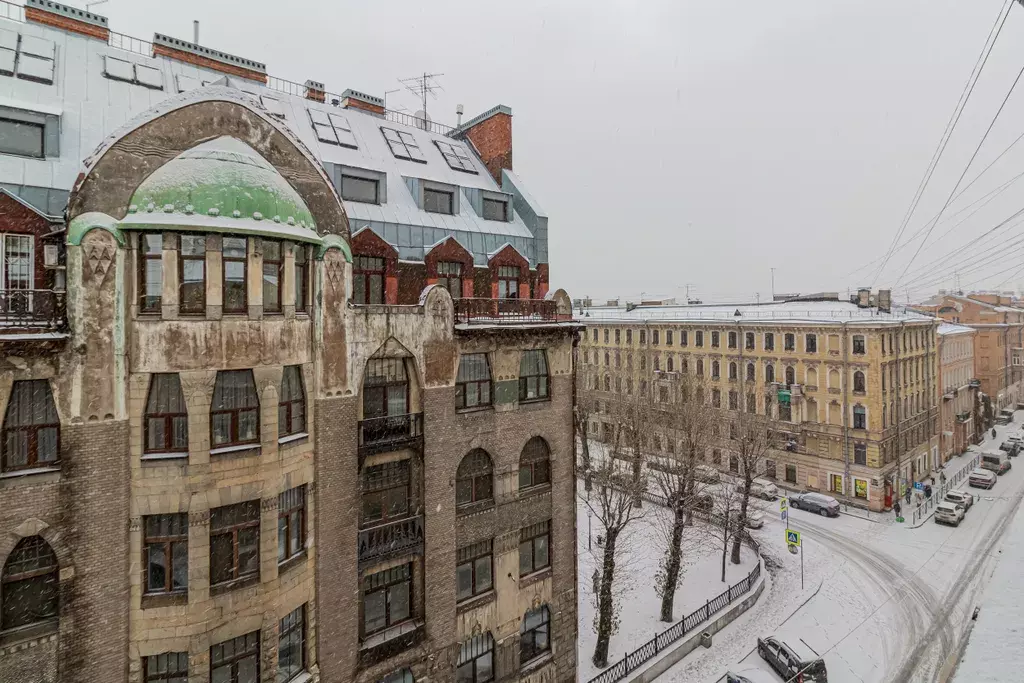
922	510
649	650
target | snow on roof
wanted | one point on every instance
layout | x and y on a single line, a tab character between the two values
797	312
951	328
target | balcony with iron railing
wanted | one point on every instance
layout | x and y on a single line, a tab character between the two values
402	537
390	433
31	311
480	311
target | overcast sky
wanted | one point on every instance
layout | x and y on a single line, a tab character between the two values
690	142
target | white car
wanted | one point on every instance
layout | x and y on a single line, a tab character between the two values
762	488
961	498
755	518
948	513
982	479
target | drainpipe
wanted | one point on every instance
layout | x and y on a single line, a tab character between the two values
899	408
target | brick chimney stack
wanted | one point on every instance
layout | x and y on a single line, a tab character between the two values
67	18
491	135
353	99
315	91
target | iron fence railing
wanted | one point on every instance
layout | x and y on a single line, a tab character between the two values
392	537
130	44
939	492
505	311
32	309
417	122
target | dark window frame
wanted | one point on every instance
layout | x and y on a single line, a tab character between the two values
502	203
769	341
276	267
243	647
449	276
379	484
292	401
811	343
175	538
235	413
243	308
291	630
471	379
395	576
471	652
39	395
793	469
302	281
471	556
860	417
248	513
379	378
34	550
860	345
166	667
368	269
358	180
291	515
511	274
542	389
191	308
535	461
167	417
32	124
152	305
789	341
437	195
529	649
529	538
479	475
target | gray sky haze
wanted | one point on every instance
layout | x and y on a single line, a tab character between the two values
677	142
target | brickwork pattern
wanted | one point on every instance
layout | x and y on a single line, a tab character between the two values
66	23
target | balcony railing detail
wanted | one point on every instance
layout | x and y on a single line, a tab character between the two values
380	434
32	309
402	537
506	311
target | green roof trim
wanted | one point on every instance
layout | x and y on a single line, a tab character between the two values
92	220
334	242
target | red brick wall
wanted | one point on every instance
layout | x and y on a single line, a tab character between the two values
17	218
412	279
369	243
352	103
510	257
183	56
492	138
66	23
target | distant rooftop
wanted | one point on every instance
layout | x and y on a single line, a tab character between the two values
950	328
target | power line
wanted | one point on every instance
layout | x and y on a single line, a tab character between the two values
954	119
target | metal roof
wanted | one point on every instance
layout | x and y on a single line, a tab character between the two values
787	312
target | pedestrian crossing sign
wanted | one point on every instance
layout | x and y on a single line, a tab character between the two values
793	537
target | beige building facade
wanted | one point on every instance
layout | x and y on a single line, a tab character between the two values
852	389
958	387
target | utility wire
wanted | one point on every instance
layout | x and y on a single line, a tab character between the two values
954	119
964	174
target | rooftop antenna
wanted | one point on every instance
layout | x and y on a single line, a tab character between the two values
388	92
421	86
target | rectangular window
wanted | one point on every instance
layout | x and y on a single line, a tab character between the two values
643	336
291	523
367	280
698	339
235	267
273	271
732	340
668	337
438	201
166	553
858	344
535	635
291	645
387	598
769	469
403	145
354	189
684	338
618	336
449	276
789	342
860	454
385	389
332	128
235	542
629	336
769	341
473	572
476	660
151	272
791	474
16	267
192	274
749	341
21	137
291	407
301	278
508	284
716	398
534	548
386	492
811	343
533	375
236	660
495	210
715	340
655	339
606	333
734	400
170	667
473	382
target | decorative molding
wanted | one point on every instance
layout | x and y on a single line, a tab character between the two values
201	518
268	504
134	524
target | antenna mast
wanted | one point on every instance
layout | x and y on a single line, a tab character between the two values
421	86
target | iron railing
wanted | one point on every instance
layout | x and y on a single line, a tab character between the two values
505	311
403	536
417	122
378	434
939	492
130	44
32	309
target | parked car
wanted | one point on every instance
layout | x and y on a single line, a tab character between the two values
708	475
1006	413
981	479
793	660
826	506
948	513
1016	437
762	488
750	676
995	461
960	498
1011	448
755	518
703	502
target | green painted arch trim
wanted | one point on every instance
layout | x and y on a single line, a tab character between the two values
334	242
91	220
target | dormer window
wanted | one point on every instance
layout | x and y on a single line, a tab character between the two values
403	145
21	138
438	201
334	129
495	209
457	156
355	189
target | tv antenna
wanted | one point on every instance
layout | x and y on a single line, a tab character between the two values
421	86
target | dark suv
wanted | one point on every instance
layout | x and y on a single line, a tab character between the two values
796	663
826	506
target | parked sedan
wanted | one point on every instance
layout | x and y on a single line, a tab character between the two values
981	479
750	676
826	506
960	498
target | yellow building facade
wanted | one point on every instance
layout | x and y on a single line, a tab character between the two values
852	390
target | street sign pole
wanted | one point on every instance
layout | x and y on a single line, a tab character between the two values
801	567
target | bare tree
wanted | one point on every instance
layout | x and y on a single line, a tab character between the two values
754	439
582	410
726	525
634	423
688	424
613	504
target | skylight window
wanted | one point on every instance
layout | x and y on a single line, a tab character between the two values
140	74
334	129
149	77
273	106
457	156
403	145
31	60
119	69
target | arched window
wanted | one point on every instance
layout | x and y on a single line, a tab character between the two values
751	372
534	463
790	375
733	368
860	417
657	362
31	434
476	660
474	479
812	410
29	585
716	369
700	368
751	404
812	377
607	383
769	374
535	635
858	381
235	413
166	416
291	409
732	340
670	364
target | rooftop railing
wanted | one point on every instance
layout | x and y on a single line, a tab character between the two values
129	44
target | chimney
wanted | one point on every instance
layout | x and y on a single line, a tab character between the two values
67	18
864	297
491	135
315	91
885	300
353	99
191	53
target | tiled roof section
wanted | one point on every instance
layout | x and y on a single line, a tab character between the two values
788	312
